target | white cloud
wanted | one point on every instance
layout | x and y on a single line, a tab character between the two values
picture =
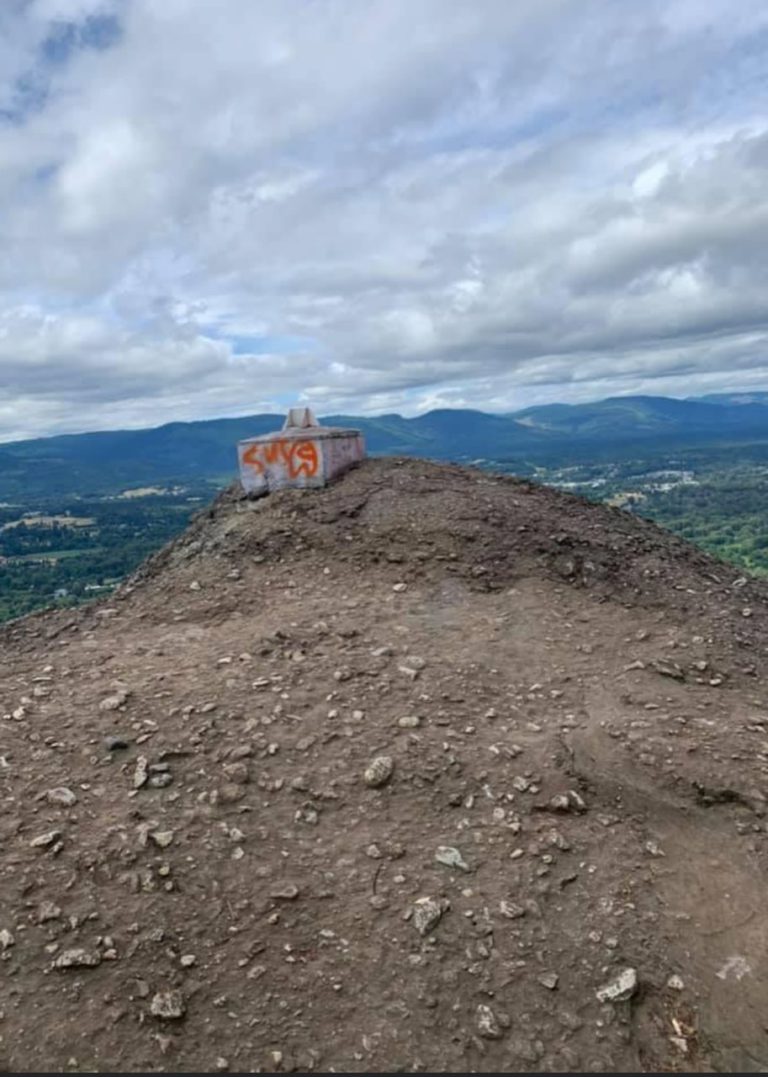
207	208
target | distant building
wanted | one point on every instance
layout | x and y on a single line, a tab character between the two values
61	592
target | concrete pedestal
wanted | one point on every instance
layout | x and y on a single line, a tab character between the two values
302	456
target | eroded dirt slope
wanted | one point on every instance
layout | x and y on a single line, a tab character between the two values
196	875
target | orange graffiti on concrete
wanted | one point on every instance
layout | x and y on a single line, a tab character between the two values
299	457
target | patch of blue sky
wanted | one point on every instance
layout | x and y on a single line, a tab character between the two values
31	90
94	32
45	173
463	135
268	344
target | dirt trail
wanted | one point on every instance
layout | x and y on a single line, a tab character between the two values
196	874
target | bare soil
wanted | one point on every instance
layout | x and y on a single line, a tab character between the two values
585	731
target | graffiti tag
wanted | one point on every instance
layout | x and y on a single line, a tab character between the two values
299	457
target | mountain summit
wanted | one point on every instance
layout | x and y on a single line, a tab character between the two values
431	769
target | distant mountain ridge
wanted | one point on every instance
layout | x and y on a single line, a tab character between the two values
546	434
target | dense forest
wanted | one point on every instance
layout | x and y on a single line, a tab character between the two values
58	563
725	515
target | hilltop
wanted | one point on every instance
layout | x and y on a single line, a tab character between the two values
432	769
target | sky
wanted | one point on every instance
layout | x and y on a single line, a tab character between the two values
223	207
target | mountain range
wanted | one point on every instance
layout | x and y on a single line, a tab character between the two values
551	435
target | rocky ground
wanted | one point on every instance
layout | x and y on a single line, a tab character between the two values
431	770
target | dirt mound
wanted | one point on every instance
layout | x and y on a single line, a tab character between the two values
433	769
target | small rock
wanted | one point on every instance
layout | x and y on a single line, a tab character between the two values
77	959
427	913
511	910
6	938
115	743
42	841
46	911
620	988
379	771
195	585
287	892
567	802
675	982
168	1005
549	980
681	1043
668	669
162	838
409	721
111	703
187	960
160	781
487	1023
238	773
61	795
398	588
141	772
451	858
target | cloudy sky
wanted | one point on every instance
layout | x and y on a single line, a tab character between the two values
217	207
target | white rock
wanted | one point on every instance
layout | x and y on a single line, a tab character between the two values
46	911
77	958
379	771
111	703
169	1005
451	857
163	838
511	910
141	772
427	913
487	1023
61	795
620	988
42	841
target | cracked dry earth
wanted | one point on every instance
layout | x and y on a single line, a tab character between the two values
430	770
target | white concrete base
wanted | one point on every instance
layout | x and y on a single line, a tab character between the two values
301	457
